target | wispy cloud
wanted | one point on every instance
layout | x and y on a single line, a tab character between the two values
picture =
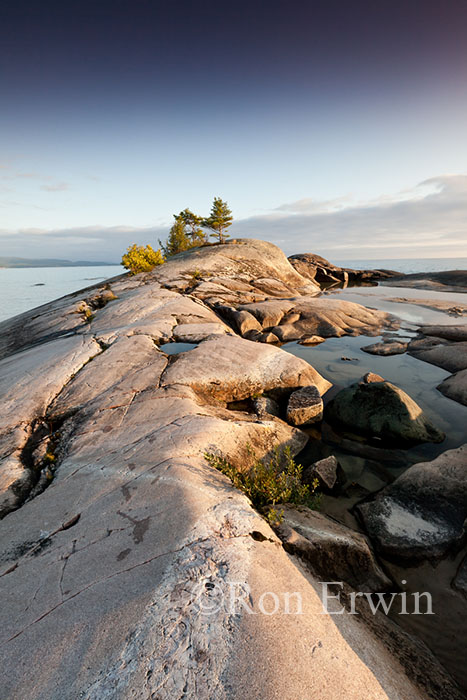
56	187
427	220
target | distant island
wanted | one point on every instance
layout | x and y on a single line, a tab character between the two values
49	262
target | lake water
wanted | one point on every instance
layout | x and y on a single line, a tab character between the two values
25	288
19	293
406	266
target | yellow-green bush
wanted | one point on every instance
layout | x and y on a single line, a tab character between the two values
270	482
140	258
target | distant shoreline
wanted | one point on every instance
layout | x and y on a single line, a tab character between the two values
23	263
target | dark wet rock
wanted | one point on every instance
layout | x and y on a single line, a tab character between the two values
425	343
396	458
329	473
390	348
454	333
382	410
332	550
460	579
455	387
265	407
451	357
305	406
421	514
320	270
444	281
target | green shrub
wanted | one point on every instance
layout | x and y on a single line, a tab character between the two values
270	482
141	258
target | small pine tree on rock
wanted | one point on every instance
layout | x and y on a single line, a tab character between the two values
219	219
177	241
193	228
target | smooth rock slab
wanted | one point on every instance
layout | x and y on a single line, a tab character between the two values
452	357
305	406
231	368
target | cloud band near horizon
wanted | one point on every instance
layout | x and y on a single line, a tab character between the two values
429	220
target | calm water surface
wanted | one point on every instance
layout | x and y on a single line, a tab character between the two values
26	288
444	632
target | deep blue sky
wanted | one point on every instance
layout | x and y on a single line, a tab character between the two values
316	121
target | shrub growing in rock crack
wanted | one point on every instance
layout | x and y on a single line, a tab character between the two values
270	482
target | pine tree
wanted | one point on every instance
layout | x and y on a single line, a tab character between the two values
193	227
219	219
177	240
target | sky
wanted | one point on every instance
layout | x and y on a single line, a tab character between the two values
330	127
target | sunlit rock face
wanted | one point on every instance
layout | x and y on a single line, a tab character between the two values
116	533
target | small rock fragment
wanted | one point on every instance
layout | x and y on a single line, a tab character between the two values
305	406
265	407
328	472
312	340
372	377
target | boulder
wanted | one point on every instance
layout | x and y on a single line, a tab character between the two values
455	387
421	514
328	472
287	332
333	551
268	313
229	368
245	259
320	270
312	340
268	337
382	410
242	321
321	316
392	348
425	343
305	406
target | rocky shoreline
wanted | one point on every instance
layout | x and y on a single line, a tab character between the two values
112	517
